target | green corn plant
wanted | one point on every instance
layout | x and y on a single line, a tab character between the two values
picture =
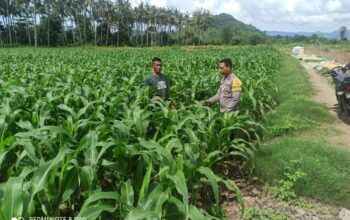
81	136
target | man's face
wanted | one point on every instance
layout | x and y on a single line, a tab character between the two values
157	67
223	69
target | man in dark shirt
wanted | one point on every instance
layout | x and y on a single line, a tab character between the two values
158	80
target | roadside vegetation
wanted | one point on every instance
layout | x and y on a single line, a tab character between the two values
295	157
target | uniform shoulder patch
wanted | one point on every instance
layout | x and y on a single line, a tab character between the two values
236	85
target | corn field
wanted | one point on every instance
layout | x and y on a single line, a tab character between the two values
82	137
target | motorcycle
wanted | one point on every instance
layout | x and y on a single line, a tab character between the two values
342	87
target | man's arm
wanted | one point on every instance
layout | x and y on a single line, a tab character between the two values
147	82
168	93
213	99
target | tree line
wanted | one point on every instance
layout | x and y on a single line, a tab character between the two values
118	23
98	22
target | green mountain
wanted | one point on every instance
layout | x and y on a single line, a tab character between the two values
226	20
226	29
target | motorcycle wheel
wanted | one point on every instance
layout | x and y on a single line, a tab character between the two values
345	106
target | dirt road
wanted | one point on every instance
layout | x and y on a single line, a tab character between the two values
338	133
325	94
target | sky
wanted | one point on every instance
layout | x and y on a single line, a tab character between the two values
273	15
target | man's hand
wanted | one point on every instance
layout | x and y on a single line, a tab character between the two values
206	103
158	98
172	104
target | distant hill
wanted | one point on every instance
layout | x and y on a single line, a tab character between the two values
226	20
226	29
329	35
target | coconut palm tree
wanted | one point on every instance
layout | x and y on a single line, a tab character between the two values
35	26
61	11
140	17
47	8
201	20
7	6
25	14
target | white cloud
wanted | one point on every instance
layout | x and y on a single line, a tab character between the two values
232	7
235	9
158	3
284	15
290	5
135	2
334	5
207	4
